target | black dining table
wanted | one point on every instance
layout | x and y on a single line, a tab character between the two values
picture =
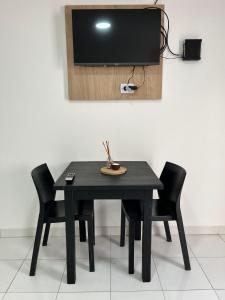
89	183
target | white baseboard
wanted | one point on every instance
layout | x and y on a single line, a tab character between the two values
113	230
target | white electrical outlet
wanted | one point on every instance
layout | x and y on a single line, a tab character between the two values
124	88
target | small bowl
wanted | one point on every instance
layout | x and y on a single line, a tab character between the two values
115	166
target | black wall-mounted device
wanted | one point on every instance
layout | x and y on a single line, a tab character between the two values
192	49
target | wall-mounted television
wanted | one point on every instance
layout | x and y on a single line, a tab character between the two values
116	37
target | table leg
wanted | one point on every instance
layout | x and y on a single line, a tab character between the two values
70	237
147	236
138	231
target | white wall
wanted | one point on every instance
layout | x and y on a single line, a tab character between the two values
38	123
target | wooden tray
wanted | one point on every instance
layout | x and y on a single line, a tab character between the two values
106	171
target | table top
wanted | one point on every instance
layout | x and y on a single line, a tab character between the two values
88	176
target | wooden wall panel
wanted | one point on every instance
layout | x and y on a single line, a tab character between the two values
103	83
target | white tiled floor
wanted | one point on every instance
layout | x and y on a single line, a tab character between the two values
47	279
56	249
191	295
8	270
30	296
97	281
84	296
146	295
174	277
122	281
14	248
111	280
214	268
221	294
202	245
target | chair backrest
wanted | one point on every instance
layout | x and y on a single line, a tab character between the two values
172	177
43	182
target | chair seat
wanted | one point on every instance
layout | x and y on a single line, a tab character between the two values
134	212
55	211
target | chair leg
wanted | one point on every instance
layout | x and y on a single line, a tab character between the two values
167	230
138	231
93	223
183	242
36	246
45	239
91	245
122	229
131	247
82	228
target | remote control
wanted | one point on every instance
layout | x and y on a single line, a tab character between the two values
69	177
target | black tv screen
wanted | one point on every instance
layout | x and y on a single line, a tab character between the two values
116	36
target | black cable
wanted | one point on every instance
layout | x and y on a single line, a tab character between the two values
165	33
155	2
163	46
163	28
143	81
132	75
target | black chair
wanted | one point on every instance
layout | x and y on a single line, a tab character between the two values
52	211
166	208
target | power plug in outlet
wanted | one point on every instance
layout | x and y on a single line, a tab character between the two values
124	88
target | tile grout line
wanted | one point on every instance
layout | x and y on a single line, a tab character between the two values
144	290
188	246
217	294
206	276
23	261
73	292
201	266
117	291
30	249
57	293
153	259
221	238
196	258
4	294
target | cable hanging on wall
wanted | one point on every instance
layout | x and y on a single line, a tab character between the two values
191	51
137	86
165	34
